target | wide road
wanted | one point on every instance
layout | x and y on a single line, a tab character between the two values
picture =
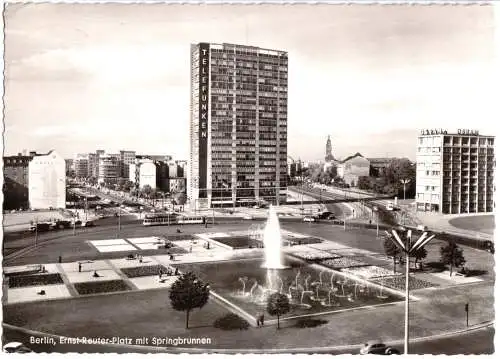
476	342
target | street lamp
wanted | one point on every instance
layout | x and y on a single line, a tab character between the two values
405	182
119	220
408	249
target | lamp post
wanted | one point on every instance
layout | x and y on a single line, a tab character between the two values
405	182
375	209
119	220
36	230
408	249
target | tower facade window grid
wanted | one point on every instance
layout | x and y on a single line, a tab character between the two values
246	124
455	173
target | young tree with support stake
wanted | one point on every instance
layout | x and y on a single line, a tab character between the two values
278	304
452	255
392	250
188	293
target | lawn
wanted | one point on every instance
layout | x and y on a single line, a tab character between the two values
101	287
485	224
34	279
238	242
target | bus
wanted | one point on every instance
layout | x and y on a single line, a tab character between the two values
159	219
190	219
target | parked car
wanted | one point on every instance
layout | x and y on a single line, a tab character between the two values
16	347
377	347
326	215
40	227
309	219
88	224
249	217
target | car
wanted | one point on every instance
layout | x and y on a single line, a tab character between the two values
391	351
373	347
16	347
88	224
326	215
309	219
248	217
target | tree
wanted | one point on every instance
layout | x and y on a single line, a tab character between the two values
127	185
180	198
146	191
121	184
364	182
391	250
419	254
278	304
452	255
188	293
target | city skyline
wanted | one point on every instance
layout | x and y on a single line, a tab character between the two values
369	81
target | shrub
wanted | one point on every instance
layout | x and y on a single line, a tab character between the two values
310	323
231	322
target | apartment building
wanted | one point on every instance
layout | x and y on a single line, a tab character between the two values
238	126
455	172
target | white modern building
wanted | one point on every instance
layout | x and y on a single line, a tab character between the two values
47	181
455	172
143	172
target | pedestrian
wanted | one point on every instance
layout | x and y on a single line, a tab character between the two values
60	259
79	267
262	320
160	273
258	321
176	271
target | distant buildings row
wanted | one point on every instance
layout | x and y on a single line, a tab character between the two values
38	181
157	171
454	171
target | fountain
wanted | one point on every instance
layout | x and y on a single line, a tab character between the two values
243	281
272	242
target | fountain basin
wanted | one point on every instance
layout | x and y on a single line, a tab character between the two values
224	279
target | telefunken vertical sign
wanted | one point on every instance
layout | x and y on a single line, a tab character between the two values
203	113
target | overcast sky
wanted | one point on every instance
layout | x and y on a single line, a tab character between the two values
85	77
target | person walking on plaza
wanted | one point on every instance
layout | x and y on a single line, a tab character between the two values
60	259
79	267
261	320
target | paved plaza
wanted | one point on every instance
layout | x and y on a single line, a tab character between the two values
203	247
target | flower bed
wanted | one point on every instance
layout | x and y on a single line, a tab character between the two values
144	271
370	272
342	262
314	256
399	282
303	240
35	279
101	287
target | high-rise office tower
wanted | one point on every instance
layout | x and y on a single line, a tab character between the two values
455	172
238	126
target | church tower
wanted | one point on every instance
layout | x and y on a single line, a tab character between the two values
329	156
